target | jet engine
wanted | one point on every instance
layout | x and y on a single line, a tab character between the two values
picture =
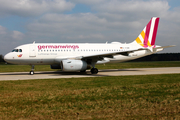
73	65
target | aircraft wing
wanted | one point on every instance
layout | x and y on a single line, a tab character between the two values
109	54
96	57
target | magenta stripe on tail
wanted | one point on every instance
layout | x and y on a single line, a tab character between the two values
155	32
148	27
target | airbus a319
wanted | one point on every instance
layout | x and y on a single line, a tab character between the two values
72	57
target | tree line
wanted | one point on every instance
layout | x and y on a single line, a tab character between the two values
153	57
160	57
1	58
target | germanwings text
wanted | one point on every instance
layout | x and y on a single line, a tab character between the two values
57	46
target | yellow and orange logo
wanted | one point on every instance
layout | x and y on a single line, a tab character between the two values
19	55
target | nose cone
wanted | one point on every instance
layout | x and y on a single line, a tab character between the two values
7	57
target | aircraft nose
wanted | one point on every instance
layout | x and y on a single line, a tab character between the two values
7	57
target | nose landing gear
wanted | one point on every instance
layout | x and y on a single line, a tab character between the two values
32	70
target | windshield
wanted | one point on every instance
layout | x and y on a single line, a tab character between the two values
17	50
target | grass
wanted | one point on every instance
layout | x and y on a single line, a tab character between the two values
27	68
122	97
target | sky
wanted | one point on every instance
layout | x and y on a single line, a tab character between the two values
86	21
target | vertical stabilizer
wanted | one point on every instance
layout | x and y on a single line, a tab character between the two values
147	37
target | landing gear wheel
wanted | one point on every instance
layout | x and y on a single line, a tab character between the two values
94	70
31	72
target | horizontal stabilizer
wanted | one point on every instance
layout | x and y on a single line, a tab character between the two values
165	47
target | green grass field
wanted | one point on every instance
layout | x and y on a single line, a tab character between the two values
27	68
99	98
123	97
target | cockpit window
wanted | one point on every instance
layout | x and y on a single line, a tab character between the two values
17	50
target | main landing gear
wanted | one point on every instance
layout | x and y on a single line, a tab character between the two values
94	70
32	70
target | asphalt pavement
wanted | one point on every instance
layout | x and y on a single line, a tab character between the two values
102	73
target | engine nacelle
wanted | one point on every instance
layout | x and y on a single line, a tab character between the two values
73	65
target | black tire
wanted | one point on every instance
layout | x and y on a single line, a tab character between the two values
94	70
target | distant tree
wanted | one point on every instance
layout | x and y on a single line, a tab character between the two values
1	58
161	57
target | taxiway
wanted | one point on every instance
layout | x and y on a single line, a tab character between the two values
109	72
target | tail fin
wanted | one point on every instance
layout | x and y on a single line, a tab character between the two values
147	37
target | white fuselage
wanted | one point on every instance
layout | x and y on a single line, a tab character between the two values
48	53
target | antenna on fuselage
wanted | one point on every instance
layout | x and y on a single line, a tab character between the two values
34	42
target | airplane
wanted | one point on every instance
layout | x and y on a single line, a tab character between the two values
71	57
